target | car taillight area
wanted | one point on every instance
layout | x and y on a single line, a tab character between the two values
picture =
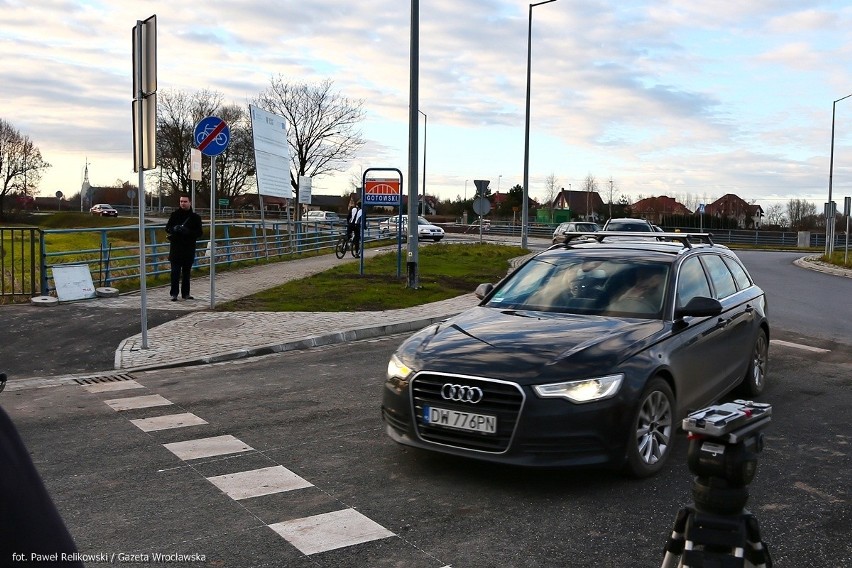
466	412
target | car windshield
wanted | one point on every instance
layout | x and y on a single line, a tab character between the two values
583	285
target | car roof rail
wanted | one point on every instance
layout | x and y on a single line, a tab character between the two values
686	239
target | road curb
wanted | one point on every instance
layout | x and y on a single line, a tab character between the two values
813	263
334	338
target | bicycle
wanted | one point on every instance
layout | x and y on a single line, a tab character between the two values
343	244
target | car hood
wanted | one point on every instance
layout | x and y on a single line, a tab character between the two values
528	346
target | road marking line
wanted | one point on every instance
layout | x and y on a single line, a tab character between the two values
116	386
208	447
135	402
258	482
799	346
167	422
329	531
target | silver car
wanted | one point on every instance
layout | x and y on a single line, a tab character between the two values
568	227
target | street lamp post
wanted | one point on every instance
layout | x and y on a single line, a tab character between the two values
829	228
524	205
425	118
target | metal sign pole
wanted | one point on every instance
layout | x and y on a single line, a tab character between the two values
143	295
212	232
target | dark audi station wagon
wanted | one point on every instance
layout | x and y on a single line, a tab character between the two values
589	354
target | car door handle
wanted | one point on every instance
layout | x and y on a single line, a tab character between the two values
749	309
722	323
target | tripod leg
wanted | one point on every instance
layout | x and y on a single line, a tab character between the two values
757	552
675	544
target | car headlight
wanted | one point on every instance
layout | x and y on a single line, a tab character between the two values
398	369
586	390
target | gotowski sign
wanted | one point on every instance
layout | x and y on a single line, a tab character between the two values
384	191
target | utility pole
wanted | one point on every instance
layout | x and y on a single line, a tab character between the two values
610	197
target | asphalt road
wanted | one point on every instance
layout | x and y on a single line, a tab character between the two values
803	302
316	414
67	338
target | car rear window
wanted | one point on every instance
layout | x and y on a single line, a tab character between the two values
723	280
629	226
740	274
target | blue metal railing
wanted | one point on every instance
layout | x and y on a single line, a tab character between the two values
116	259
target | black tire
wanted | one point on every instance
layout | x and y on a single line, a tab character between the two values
755	378
354	251
652	430
340	248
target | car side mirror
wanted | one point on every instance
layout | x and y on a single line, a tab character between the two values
483	290
700	306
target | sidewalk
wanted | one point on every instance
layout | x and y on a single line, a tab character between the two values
204	336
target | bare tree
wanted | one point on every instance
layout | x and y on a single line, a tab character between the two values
802	214
321	125
235	167
775	215
21	163
590	185
177	114
614	193
551	190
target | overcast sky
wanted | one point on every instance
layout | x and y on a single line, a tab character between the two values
687	98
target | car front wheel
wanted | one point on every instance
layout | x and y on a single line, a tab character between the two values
755	378
652	430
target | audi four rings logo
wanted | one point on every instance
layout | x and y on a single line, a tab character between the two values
461	393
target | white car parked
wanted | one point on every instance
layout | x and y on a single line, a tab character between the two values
425	229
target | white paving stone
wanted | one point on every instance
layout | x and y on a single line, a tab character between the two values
167	422
208	447
258	482
330	531
113	386
135	402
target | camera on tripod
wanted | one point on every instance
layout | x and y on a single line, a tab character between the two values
724	441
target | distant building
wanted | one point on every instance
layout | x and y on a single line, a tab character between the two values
730	206
582	204
655	208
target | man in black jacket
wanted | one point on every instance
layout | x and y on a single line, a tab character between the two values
183	228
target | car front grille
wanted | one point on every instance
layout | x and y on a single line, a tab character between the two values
501	399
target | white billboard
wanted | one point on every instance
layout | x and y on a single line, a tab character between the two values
271	153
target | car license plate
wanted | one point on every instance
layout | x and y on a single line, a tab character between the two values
459	420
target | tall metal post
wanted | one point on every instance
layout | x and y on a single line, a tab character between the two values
524	205
140	95
425	118
413	100
212	232
829	226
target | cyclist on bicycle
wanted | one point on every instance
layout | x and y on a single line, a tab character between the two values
353	226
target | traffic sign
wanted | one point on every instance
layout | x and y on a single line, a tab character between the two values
212	136
223	202
481	186
481	206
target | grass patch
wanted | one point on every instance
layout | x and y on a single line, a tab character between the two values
445	271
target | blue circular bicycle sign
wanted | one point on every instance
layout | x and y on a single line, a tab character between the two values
212	136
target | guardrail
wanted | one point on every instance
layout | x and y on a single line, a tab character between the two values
754	237
19	261
115	256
